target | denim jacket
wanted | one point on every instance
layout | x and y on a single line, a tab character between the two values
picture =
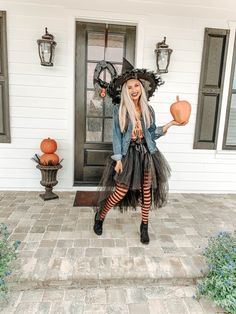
121	141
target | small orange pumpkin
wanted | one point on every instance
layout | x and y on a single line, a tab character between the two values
48	146
49	160
180	110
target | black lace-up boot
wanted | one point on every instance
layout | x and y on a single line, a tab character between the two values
97	224
144	237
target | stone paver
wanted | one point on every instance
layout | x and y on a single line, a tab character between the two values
58	242
60	253
122	300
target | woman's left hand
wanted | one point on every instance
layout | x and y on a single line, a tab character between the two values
173	122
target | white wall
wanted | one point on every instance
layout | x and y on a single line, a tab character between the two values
42	99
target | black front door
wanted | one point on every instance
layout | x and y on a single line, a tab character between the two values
93	115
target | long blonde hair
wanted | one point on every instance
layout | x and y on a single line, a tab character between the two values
127	107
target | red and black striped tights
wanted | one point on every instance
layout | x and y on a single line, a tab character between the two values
120	192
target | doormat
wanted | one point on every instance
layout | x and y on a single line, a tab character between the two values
85	198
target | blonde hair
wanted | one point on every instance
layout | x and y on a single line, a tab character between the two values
127	108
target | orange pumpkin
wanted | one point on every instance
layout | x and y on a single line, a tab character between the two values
180	110
49	160
48	146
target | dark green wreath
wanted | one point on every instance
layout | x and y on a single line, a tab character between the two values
149	79
100	67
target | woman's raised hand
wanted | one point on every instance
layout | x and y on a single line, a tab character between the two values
119	167
171	123
179	124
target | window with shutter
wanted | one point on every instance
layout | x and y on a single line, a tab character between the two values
211	87
229	141
4	95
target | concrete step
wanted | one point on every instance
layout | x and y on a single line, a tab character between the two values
120	299
100	271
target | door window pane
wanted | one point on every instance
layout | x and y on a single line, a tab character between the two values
108	107
94	104
90	71
108	76
108	130
115	47
231	134
118	68
96	44
94	130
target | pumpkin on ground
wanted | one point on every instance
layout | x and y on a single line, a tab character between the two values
49	160
180	110
48	146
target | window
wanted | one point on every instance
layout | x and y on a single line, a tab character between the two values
4	95
229	141
211	87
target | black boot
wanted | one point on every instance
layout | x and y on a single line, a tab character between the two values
144	237
97	224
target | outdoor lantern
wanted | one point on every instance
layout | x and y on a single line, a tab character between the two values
46	48
163	53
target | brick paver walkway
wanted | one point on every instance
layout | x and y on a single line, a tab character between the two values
63	264
110	300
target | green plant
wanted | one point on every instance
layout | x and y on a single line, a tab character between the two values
220	282
7	254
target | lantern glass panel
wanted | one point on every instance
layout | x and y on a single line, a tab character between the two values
46	51
163	59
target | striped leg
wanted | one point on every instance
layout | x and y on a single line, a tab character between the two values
113	199
146	203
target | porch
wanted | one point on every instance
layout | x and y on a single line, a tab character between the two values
63	267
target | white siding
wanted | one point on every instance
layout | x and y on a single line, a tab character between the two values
42	99
192	170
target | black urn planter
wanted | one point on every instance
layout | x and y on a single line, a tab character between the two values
49	180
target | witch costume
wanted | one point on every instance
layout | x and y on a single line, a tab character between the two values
144	167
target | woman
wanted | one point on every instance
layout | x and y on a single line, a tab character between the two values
137	173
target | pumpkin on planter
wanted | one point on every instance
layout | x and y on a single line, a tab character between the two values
49	160
48	146
48	164
180	110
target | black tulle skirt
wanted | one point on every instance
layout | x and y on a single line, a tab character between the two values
137	162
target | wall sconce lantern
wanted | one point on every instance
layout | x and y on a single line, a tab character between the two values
163	53
46	49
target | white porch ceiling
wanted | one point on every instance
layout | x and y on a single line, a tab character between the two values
217	9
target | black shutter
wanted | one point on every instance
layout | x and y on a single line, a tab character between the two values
4	94
211	87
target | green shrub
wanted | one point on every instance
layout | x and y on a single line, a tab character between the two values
7	254
220	282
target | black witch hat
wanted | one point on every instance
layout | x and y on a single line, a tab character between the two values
149	80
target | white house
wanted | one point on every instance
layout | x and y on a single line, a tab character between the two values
42	100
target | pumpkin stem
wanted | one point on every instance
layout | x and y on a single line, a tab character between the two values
177	98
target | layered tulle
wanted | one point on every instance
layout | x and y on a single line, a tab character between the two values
137	162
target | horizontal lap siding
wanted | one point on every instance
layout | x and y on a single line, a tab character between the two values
192	171
32	183
38	95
